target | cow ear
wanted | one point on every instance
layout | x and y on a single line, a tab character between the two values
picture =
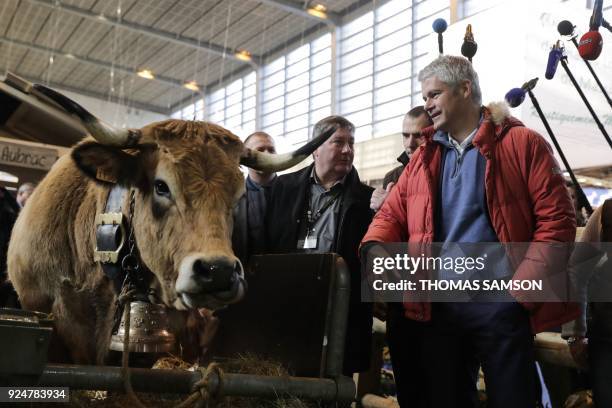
107	164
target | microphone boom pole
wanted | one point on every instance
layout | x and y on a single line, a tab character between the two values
586	102
588	64
583	201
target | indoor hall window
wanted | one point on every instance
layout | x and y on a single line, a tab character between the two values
390	92
392	8
357	103
357	25
389	126
233	106
295	89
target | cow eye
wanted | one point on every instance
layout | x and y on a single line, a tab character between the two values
161	188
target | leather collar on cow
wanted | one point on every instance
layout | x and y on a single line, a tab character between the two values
116	249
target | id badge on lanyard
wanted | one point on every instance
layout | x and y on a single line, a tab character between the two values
309	242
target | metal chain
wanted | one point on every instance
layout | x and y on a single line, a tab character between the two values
130	263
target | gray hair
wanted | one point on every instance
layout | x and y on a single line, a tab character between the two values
25	186
453	70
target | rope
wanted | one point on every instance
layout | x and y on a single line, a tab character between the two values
200	395
201	391
125	299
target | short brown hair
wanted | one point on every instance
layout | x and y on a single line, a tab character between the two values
417	112
324	124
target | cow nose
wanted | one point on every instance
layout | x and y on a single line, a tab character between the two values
214	276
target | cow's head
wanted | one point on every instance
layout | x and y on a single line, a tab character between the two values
187	180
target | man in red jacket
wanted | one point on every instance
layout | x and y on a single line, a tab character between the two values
480	176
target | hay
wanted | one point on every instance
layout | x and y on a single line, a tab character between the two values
581	399
242	364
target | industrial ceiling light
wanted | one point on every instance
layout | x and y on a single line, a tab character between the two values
318	10
243	55
146	74
192	86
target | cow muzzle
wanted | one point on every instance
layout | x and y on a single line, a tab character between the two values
210	282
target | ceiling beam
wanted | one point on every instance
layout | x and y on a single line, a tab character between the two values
85	60
333	19
148	31
97	95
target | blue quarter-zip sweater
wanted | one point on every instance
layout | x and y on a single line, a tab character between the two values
462	215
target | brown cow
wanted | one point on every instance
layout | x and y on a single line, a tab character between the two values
185	178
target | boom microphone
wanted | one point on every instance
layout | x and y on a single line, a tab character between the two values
566	27
519	93
516	96
439	26
597	16
590	45
554	56
469	46
591	42
585	100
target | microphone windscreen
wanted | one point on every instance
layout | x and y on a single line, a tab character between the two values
468	49
590	45
554	56
439	25
565	28
515	97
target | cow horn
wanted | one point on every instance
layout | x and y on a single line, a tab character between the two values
277	162
102	132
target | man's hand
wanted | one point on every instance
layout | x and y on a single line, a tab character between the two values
579	347
379	196
380	311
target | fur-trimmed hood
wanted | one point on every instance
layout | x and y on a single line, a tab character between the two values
497	117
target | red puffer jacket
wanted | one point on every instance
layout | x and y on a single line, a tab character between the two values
526	198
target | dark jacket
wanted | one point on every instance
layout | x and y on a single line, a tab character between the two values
9	209
246	238
284	215
394	175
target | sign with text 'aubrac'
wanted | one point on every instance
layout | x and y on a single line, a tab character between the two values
22	155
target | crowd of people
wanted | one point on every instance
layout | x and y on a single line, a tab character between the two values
469	173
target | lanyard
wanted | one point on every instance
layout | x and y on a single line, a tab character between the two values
313	218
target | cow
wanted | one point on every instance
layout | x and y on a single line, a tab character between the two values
183	179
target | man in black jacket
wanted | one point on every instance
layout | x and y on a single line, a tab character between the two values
9	209
414	121
248	235
325	208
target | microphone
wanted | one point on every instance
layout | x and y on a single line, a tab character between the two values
469	46
516	96
591	42
590	45
554	56
566	27
439	26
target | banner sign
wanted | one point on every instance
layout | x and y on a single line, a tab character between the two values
32	157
